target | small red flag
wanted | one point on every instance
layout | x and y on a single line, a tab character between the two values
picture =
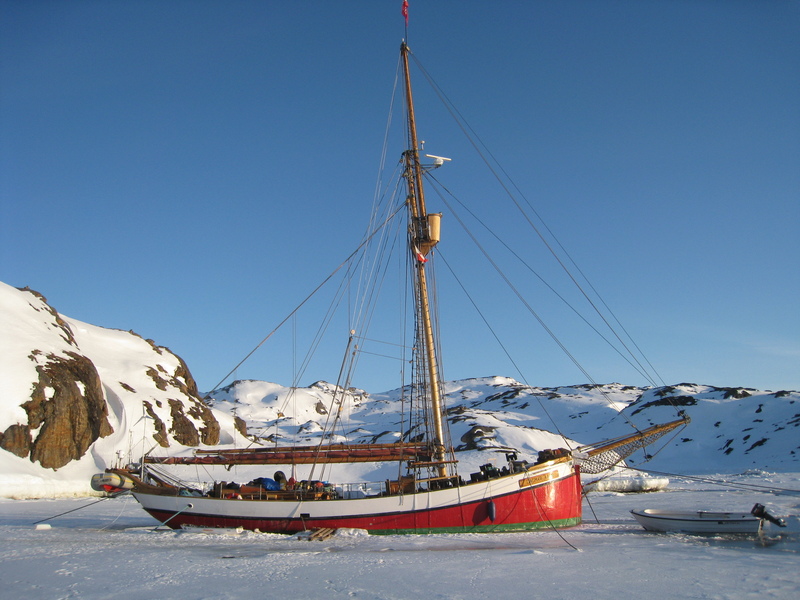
405	10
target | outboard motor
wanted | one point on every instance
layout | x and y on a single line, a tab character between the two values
759	511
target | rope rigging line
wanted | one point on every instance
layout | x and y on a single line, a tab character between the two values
323	327
598	460
405	401
369	276
364	315
374	283
630	358
366	339
125	502
385	146
478	145
550	523
305	300
503	348
339	390
723	483
117	495
585	495
336	301
350	358
533	312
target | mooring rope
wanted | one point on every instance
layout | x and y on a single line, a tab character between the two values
117	495
723	483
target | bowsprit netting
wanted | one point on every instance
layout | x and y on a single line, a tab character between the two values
594	459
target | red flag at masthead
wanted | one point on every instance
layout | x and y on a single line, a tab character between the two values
405	10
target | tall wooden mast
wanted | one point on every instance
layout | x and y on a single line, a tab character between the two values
423	237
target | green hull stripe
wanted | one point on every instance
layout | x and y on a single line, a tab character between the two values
492	528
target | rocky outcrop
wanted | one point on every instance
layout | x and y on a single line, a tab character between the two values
160	433
17	440
183	427
66	413
209	432
67	374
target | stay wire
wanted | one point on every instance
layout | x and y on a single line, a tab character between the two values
536	315
723	483
630	358
589	502
348	364
121	511
305	300
552	525
471	137
117	495
371	278
502	346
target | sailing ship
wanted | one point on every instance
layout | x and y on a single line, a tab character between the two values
431	496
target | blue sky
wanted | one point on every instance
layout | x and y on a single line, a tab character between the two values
191	170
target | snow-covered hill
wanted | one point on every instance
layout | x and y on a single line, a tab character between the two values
73	394
59	424
732	429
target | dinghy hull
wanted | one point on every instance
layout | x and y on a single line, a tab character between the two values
698	521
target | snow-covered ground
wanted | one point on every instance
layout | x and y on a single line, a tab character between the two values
110	549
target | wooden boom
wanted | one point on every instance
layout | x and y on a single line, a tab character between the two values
299	455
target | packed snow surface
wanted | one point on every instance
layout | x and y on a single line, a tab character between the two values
90	548
112	549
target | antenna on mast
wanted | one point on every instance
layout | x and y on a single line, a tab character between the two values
438	161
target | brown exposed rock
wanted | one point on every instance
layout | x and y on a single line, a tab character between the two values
17	440
67	410
240	425
209	432
67	334
160	435
183	430
182	372
160	382
70	417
